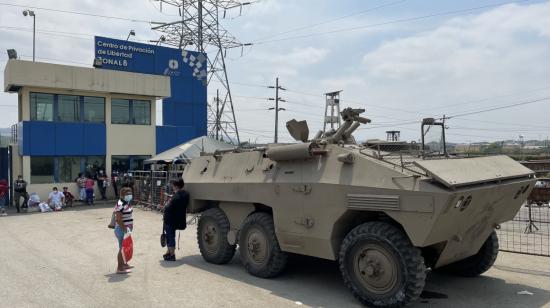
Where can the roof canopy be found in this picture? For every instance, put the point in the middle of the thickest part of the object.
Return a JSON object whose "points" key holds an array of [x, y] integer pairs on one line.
{"points": [[191, 149]]}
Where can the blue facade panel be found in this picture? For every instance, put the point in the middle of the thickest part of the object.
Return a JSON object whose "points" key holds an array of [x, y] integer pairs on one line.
{"points": [[165, 137], [199, 113], [62, 139], [69, 139], [171, 136], [41, 138], [185, 133], [94, 136]]}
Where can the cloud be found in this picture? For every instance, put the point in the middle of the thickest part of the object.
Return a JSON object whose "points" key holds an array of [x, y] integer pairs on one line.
{"points": [[502, 41], [505, 50]]}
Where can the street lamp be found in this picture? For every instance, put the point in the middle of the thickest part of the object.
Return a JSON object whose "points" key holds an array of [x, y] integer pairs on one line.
{"points": [[31, 13]]}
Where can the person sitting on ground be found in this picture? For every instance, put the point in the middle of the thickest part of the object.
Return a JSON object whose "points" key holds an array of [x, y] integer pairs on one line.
{"points": [[174, 218], [124, 222], [55, 199], [3, 197], [69, 198]]}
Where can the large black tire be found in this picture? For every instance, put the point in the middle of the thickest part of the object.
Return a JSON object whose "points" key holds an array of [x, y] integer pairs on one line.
{"points": [[259, 248], [212, 232], [477, 264], [380, 266]]}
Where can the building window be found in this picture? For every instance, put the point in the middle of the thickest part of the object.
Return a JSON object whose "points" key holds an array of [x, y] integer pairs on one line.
{"points": [[137, 161], [63, 169], [42, 170], [125, 163], [127, 111], [141, 112], [69, 168], [120, 111], [42, 107], [92, 164], [68, 108], [94, 109]]}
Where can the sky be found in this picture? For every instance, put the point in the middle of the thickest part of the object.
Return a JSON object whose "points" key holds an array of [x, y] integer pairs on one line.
{"points": [[401, 60]]}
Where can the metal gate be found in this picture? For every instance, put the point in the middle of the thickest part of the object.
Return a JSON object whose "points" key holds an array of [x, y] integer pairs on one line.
{"points": [[528, 232], [142, 187], [152, 188]]}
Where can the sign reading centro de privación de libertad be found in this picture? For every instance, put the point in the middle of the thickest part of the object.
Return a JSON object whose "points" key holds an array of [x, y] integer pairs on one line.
{"points": [[185, 111]]}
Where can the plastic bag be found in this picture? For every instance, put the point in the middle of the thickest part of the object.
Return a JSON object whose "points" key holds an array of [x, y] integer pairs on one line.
{"points": [[127, 247], [33, 197], [44, 207]]}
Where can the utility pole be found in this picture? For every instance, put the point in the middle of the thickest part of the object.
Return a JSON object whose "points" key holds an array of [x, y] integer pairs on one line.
{"points": [[277, 99], [332, 101]]}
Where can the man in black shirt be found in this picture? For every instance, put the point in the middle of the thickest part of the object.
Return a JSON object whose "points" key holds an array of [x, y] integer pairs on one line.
{"points": [[175, 215], [20, 190]]}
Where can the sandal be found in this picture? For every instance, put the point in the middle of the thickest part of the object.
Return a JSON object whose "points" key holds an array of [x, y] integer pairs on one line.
{"points": [[126, 271]]}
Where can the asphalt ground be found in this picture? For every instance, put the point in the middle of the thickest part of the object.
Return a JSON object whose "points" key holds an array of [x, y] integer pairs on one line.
{"points": [[68, 259]]}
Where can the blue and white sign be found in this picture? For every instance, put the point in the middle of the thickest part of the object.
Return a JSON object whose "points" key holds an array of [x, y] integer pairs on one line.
{"points": [[149, 59], [185, 112]]}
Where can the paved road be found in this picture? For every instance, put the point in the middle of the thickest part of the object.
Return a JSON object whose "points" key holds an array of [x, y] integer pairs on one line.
{"points": [[67, 259]]}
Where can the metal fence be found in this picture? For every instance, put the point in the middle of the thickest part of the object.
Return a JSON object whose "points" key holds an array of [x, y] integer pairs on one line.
{"points": [[528, 232], [152, 189]]}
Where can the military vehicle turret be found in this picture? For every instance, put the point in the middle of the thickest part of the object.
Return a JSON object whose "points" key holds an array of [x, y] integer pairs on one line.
{"points": [[384, 217]]}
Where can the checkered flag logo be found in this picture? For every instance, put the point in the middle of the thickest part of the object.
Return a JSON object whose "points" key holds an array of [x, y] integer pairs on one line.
{"points": [[197, 64]]}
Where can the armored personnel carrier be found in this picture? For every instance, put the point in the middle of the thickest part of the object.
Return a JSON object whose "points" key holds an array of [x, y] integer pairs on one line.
{"points": [[384, 217]]}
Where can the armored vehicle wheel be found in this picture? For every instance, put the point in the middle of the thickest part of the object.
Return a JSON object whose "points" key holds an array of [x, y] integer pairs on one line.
{"points": [[380, 266], [212, 237], [477, 264], [259, 248]]}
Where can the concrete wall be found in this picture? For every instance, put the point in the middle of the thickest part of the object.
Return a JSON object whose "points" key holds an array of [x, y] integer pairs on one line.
{"points": [[18, 73]]}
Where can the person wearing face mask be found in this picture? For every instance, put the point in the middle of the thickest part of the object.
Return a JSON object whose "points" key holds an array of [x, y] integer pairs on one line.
{"points": [[124, 223], [56, 199]]}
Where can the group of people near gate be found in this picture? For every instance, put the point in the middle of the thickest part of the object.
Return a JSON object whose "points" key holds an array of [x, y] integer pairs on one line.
{"points": [[174, 218], [56, 199]]}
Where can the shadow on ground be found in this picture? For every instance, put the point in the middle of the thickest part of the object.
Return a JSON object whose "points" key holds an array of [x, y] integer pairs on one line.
{"points": [[114, 277], [317, 283], [77, 207]]}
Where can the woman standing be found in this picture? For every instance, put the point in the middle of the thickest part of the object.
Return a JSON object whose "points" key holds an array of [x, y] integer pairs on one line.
{"points": [[90, 184], [124, 223], [175, 217]]}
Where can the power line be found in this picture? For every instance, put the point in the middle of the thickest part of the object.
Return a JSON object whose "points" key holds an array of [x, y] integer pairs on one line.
{"points": [[499, 107], [500, 123], [488, 98], [500, 130], [73, 12], [402, 20], [330, 20]]}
